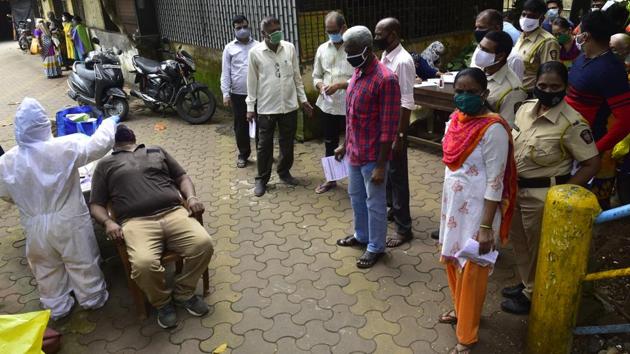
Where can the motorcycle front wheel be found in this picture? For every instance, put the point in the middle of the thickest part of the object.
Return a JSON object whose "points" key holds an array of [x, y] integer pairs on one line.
{"points": [[117, 106], [24, 44], [196, 106]]}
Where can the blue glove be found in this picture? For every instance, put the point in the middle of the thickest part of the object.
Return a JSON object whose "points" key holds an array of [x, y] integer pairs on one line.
{"points": [[116, 119]]}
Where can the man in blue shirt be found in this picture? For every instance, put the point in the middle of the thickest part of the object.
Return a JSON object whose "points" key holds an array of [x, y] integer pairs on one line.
{"points": [[554, 10], [234, 83]]}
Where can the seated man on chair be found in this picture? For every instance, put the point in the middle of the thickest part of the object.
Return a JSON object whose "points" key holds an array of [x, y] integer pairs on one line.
{"points": [[144, 186]]}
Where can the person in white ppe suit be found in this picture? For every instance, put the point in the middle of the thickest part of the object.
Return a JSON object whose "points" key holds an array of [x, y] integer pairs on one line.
{"points": [[40, 175]]}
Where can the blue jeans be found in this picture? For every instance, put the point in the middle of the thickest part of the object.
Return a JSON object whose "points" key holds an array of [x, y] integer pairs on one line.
{"points": [[369, 205]]}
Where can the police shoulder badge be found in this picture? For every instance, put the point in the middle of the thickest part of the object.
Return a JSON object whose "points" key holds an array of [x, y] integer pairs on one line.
{"points": [[554, 54], [587, 136]]}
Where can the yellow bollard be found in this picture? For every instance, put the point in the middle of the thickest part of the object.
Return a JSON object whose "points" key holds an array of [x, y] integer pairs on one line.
{"points": [[565, 241]]}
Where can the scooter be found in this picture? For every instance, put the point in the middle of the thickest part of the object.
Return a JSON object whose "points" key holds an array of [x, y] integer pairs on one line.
{"points": [[25, 36], [98, 82]]}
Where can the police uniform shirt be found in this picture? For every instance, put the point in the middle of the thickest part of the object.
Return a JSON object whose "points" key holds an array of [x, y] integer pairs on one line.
{"points": [[535, 49], [547, 145], [505, 93]]}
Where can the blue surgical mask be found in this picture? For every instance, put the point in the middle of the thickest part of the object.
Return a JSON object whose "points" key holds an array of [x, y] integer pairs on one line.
{"points": [[243, 33], [335, 37], [552, 14]]}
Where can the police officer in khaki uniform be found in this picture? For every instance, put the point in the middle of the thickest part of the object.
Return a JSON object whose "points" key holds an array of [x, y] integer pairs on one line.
{"points": [[506, 92], [549, 136], [535, 46]]}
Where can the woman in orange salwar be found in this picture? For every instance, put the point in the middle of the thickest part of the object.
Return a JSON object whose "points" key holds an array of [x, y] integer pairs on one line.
{"points": [[477, 200]]}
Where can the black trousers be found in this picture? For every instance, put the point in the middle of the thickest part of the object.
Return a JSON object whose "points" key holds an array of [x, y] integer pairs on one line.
{"points": [[241, 126], [1, 151], [287, 126], [332, 125], [398, 192]]}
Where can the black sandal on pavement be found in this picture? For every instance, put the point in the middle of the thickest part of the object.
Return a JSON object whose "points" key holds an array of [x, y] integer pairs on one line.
{"points": [[448, 318], [369, 259], [348, 241], [325, 187], [398, 240], [461, 349]]}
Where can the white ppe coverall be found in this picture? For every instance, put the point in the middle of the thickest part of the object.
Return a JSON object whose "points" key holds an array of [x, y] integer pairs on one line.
{"points": [[40, 175]]}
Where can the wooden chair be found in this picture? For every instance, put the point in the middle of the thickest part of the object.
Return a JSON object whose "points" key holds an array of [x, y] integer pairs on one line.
{"points": [[168, 257]]}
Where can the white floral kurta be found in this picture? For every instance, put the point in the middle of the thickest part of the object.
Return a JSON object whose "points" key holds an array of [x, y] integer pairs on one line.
{"points": [[479, 178]]}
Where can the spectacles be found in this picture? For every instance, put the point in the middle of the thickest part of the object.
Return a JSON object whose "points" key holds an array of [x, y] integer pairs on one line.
{"points": [[277, 70]]}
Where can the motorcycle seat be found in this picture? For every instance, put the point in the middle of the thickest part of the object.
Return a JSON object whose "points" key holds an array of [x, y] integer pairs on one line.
{"points": [[148, 66], [85, 73]]}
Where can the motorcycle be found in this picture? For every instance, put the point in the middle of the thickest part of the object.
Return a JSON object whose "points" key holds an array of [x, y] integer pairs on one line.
{"points": [[171, 84], [25, 37], [98, 82]]}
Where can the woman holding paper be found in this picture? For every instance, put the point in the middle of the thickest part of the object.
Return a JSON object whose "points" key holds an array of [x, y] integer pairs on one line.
{"points": [[478, 198]]}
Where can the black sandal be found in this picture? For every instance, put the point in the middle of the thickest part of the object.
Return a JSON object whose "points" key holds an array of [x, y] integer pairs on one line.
{"points": [[448, 318], [369, 259], [348, 241]]}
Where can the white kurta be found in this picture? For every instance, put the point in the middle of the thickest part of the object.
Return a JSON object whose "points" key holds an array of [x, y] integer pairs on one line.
{"points": [[464, 191]]}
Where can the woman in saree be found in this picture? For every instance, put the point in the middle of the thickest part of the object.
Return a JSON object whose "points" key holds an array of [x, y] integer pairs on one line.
{"points": [[49, 52], [81, 39], [477, 200], [67, 31]]}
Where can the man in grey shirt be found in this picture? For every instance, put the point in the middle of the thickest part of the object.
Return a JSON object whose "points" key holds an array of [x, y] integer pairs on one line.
{"points": [[234, 83]]}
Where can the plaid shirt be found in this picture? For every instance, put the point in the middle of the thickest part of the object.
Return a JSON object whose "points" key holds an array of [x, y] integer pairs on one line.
{"points": [[372, 111]]}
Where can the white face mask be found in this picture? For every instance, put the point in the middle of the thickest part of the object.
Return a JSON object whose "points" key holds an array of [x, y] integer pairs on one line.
{"points": [[529, 24], [482, 59]]}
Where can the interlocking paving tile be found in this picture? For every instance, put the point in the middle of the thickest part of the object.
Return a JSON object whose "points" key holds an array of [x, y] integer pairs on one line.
{"points": [[274, 267], [305, 290], [289, 346], [250, 298], [385, 345], [316, 334], [278, 284], [351, 342], [222, 333], [335, 296], [221, 312], [190, 328], [283, 327], [280, 304], [272, 252], [329, 277], [376, 324], [249, 279], [343, 317], [410, 332], [252, 319], [130, 339], [302, 272], [366, 302], [310, 310], [399, 308]]}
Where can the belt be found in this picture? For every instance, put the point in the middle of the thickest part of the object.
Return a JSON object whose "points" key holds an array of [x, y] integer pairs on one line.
{"points": [[542, 182]]}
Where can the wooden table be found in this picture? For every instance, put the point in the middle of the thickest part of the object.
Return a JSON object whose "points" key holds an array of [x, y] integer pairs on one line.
{"points": [[438, 99]]}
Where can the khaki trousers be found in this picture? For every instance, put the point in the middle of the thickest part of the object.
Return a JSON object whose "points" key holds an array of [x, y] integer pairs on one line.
{"points": [[468, 289], [525, 233], [148, 237]]}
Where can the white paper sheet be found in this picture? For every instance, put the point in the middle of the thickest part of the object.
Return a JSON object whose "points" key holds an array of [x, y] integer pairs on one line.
{"points": [[327, 98], [334, 170], [425, 84], [471, 252], [450, 77], [252, 129]]}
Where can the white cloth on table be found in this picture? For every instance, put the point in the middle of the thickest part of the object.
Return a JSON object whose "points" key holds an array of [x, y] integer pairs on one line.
{"points": [[479, 178], [40, 175]]}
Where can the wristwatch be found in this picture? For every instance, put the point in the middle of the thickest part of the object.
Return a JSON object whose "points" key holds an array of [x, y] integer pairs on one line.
{"points": [[401, 135]]}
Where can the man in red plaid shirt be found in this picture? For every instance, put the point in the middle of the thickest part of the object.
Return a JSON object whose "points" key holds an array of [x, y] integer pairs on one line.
{"points": [[372, 114]]}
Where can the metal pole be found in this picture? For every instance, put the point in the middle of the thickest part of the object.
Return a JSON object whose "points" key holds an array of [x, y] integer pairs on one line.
{"points": [[562, 258], [613, 214]]}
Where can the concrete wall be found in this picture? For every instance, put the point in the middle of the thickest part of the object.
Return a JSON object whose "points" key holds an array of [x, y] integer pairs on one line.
{"points": [[93, 14]]}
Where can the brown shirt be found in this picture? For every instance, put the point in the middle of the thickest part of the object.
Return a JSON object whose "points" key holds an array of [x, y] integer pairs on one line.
{"points": [[138, 183]]}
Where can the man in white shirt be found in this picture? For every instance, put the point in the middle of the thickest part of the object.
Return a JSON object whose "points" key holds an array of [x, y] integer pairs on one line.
{"points": [[506, 91], [400, 62], [234, 83], [331, 72], [276, 90], [491, 20]]}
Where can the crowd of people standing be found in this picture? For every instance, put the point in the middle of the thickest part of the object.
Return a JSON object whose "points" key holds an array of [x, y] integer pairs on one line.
{"points": [[541, 109], [536, 108], [60, 42]]}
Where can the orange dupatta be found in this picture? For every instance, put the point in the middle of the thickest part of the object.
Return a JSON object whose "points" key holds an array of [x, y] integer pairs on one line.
{"points": [[463, 135]]}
